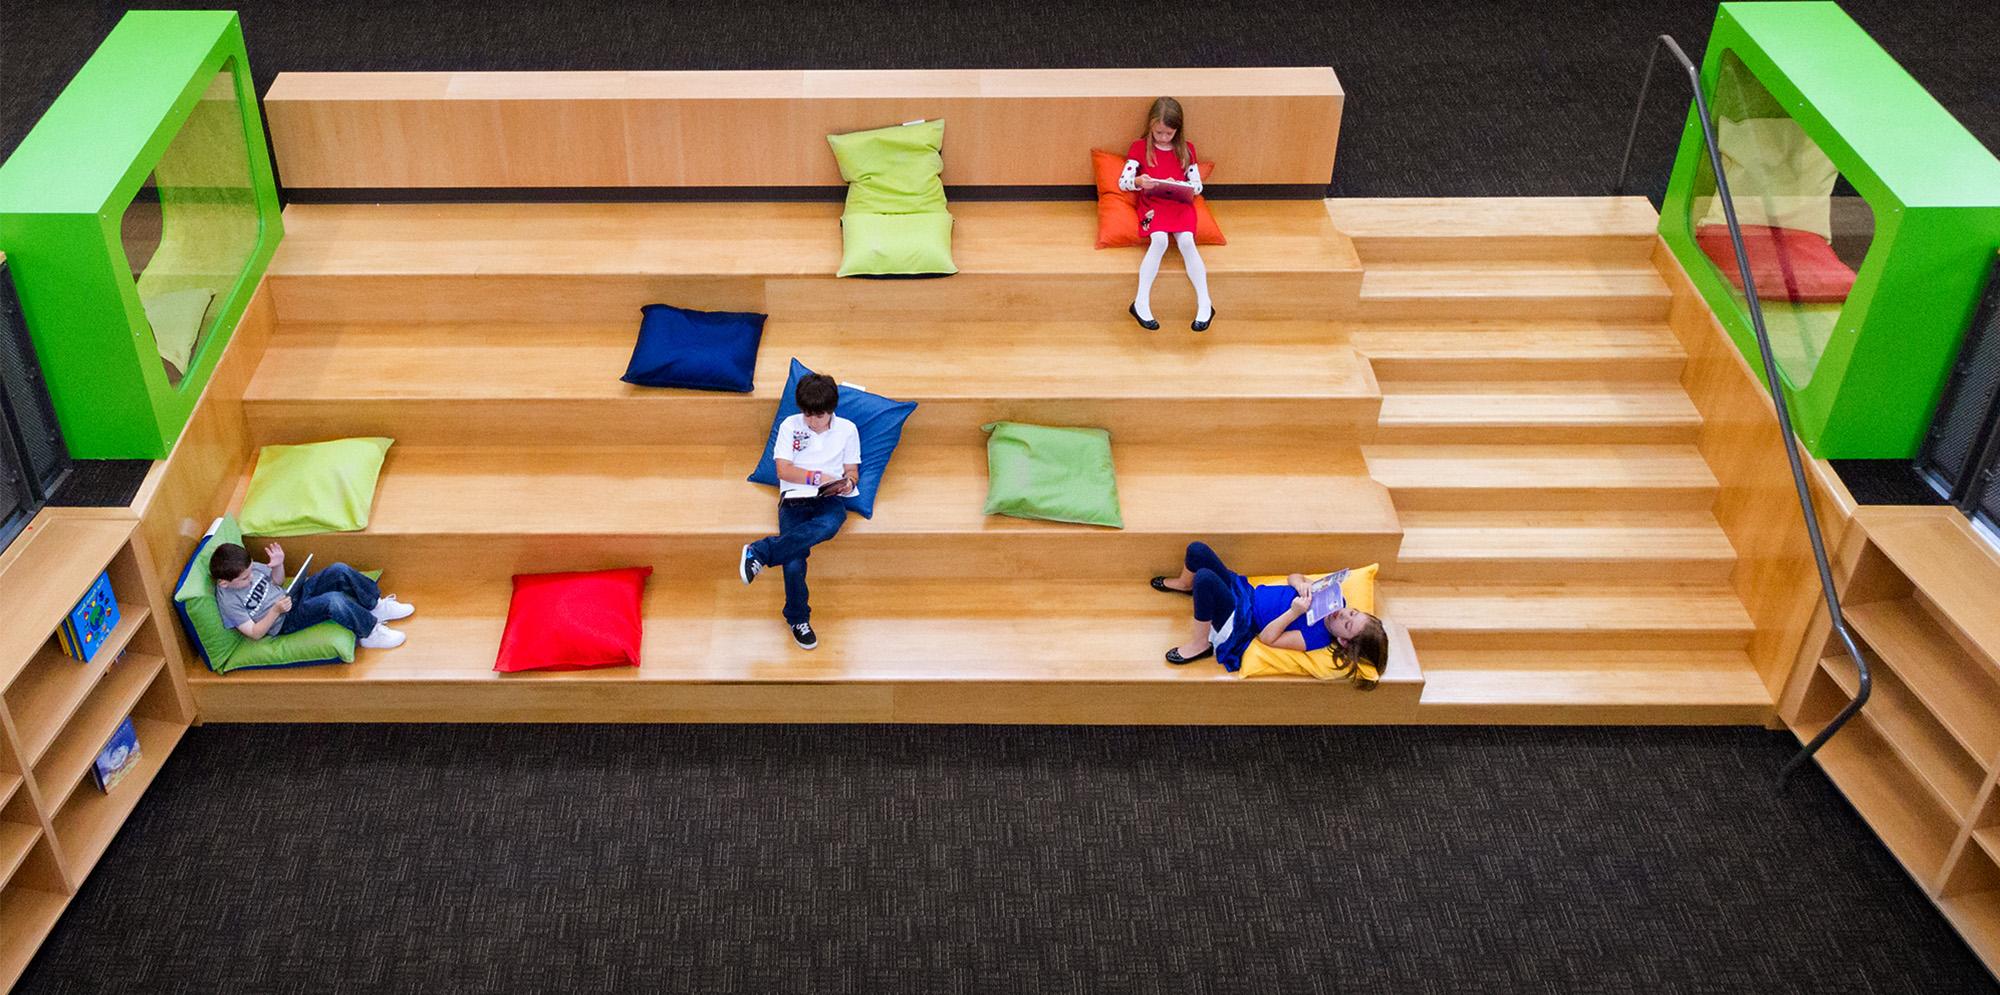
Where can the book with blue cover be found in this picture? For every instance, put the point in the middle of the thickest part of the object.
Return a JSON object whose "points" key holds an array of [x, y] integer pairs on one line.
{"points": [[87, 625], [118, 758]]}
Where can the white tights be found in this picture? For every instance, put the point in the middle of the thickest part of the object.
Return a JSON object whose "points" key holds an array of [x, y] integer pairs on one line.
{"points": [[1150, 267]]}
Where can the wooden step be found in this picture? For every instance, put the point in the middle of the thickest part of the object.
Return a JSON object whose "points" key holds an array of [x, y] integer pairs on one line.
{"points": [[1519, 350], [1518, 229], [1531, 412], [1629, 290], [443, 510], [1623, 687], [1544, 478], [1495, 617], [1577, 549], [891, 650], [525, 384], [545, 262]]}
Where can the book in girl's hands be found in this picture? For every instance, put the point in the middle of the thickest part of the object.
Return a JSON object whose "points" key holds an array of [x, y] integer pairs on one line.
{"points": [[118, 757], [1172, 189], [1326, 597]]}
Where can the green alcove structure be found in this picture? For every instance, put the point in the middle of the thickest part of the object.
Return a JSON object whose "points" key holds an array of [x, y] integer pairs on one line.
{"points": [[138, 217], [1798, 92]]}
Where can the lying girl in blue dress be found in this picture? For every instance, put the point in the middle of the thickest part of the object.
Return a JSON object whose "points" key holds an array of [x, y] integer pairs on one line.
{"points": [[1229, 612]]}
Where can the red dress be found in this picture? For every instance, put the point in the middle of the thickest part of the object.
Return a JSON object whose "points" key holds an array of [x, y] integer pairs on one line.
{"points": [[1168, 215]]}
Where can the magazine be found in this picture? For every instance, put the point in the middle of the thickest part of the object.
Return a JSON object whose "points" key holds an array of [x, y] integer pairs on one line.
{"points": [[1326, 597]]}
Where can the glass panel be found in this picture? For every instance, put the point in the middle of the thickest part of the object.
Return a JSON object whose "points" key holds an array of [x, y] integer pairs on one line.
{"points": [[1806, 230], [192, 228]]}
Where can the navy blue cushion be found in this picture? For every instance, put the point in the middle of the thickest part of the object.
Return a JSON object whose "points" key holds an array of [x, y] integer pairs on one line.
{"points": [[877, 418], [704, 350]]}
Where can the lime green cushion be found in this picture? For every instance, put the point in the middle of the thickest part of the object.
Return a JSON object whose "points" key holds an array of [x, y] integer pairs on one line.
{"points": [[224, 648], [321, 487], [895, 244], [893, 170], [176, 320], [1054, 474]]}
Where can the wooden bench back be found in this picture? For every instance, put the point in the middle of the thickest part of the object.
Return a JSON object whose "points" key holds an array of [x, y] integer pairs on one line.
{"points": [[1017, 127]]}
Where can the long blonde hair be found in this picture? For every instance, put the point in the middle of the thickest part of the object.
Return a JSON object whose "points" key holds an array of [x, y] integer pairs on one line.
{"points": [[1367, 652], [1167, 111]]}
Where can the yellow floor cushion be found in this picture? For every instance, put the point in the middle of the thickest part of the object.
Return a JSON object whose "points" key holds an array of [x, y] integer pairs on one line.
{"points": [[1260, 660]]}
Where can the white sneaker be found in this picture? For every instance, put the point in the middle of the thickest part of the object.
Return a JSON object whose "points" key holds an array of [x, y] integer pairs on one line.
{"points": [[388, 609], [383, 638]]}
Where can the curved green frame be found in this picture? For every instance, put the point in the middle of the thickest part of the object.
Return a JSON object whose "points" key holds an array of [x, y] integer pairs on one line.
{"points": [[63, 196], [1935, 193]]}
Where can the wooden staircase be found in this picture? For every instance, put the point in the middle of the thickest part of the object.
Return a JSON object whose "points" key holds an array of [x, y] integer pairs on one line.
{"points": [[1560, 562], [1508, 438]]}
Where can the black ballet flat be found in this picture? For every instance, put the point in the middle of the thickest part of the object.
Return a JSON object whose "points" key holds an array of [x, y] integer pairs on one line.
{"points": [[1202, 326], [1174, 656], [1133, 310], [1160, 584]]}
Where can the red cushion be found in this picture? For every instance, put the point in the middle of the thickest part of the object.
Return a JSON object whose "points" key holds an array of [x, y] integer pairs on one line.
{"points": [[574, 621], [1118, 210], [1788, 264]]}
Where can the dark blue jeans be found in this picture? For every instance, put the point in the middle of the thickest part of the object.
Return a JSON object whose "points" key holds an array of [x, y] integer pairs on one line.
{"points": [[802, 524], [340, 593], [1214, 596]]}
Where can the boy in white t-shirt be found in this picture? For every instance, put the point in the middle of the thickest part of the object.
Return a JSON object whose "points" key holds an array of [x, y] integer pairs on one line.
{"points": [[819, 467]]}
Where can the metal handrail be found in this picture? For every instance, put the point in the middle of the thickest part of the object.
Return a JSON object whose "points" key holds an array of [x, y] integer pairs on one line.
{"points": [[1833, 611]]}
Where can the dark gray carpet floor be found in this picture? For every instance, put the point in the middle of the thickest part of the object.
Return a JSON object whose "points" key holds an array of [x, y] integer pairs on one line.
{"points": [[958, 859]]}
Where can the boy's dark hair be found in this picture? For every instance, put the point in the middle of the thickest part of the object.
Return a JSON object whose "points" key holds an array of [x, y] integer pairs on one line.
{"points": [[817, 394], [229, 561]]}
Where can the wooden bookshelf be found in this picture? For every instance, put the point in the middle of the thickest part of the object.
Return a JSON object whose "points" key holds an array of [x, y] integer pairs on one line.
{"points": [[56, 713], [1921, 760]]}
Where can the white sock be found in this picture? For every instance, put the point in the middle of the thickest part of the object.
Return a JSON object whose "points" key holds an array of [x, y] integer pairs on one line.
{"points": [[1197, 272], [1149, 268]]}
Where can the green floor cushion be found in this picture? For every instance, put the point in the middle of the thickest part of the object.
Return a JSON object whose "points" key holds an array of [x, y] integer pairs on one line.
{"points": [[895, 245], [223, 648], [320, 487], [895, 222], [1052, 474], [176, 320], [895, 170]]}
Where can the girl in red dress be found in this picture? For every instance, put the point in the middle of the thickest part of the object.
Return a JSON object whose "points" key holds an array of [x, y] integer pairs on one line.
{"points": [[1160, 168]]}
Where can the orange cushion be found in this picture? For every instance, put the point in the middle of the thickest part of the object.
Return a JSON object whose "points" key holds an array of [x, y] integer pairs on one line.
{"points": [[1118, 210]]}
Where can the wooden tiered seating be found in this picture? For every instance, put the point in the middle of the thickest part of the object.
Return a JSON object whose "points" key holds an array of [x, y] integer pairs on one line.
{"points": [[487, 338], [1484, 397], [1560, 561]]}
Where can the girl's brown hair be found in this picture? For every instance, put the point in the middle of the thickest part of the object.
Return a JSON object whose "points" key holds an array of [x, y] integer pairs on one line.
{"points": [[1167, 111], [1368, 650]]}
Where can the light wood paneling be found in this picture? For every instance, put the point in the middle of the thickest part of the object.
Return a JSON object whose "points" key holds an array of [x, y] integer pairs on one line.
{"points": [[1514, 229], [1755, 503], [526, 384], [566, 263], [907, 651], [691, 504], [767, 128]]}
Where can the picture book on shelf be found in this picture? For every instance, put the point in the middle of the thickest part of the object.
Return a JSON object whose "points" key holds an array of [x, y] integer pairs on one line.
{"points": [[118, 757], [87, 625]]}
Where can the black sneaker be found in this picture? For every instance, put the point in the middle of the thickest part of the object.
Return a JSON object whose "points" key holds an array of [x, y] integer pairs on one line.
{"points": [[748, 567], [802, 634]]}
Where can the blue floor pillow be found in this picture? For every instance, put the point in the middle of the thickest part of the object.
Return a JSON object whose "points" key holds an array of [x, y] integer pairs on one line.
{"points": [[877, 418], [701, 350]]}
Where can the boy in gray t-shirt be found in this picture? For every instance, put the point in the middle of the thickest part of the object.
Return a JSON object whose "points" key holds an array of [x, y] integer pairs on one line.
{"points": [[252, 600]]}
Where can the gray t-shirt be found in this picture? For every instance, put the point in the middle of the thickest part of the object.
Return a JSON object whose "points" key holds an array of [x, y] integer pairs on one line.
{"points": [[248, 604]]}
